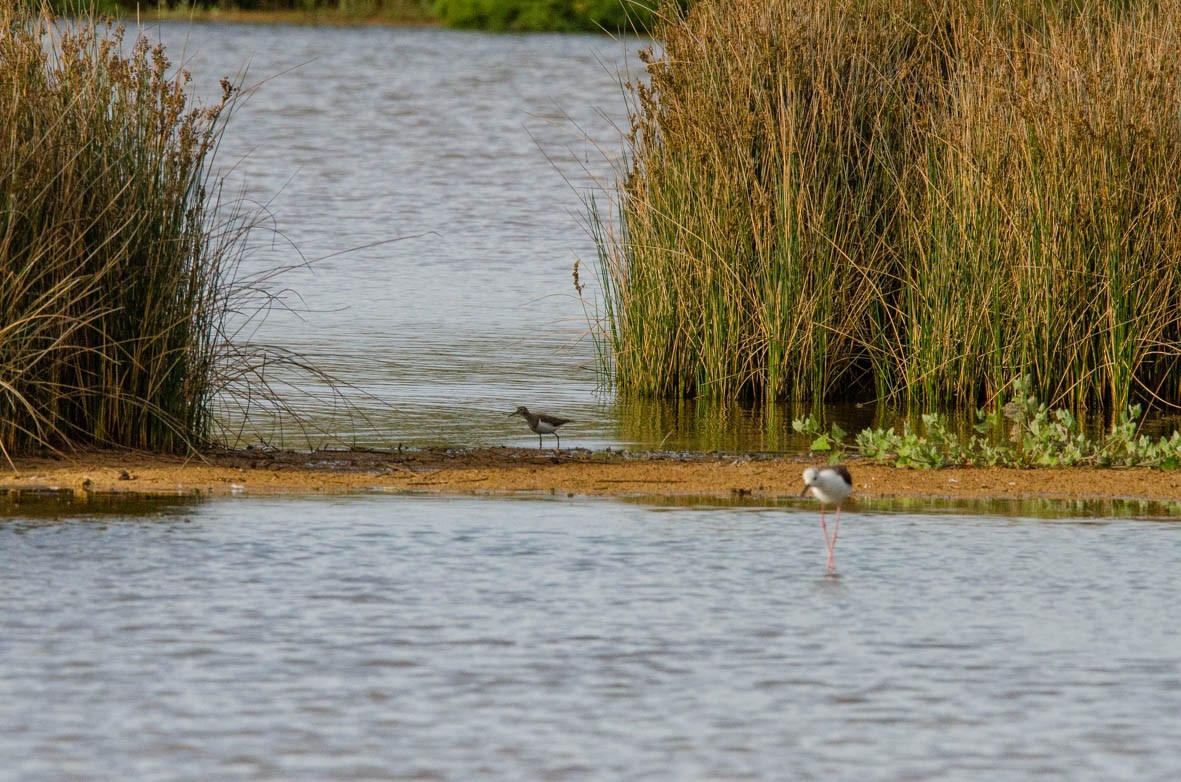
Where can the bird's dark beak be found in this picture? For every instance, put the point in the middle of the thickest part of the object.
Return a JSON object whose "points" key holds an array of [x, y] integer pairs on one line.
{"points": [[805, 491]]}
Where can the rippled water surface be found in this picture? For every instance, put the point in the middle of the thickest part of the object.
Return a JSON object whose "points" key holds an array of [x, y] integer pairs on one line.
{"points": [[416, 638], [476, 151]]}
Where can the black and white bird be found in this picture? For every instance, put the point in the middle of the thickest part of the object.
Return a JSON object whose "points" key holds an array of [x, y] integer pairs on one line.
{"points": [[830, 485], [541, 424]]}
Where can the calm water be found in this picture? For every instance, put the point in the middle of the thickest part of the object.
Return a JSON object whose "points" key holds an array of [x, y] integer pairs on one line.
{"points": [[458, 639]]}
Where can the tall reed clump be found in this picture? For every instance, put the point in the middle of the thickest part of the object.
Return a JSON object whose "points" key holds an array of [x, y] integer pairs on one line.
{"points": [[112, 292], [888, 199]]}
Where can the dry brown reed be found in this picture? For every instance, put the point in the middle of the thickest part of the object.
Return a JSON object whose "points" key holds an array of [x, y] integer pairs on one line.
{"points": [[901, 200]]}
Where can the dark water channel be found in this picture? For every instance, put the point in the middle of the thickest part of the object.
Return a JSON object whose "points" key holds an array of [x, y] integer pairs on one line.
{"points": [[457, 639]]}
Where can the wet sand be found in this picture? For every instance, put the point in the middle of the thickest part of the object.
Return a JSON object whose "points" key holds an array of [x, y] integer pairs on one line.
{"points": [[507, 471]]}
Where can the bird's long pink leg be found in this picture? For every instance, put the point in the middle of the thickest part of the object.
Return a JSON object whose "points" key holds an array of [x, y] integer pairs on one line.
{"points": [[828, 544], [832, 565]]}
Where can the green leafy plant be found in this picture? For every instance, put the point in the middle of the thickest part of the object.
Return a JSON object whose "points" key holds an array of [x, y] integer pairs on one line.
{"points": [[831, 440], [1036, 436]]}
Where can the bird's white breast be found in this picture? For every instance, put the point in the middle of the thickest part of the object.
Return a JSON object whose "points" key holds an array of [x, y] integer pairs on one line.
{"points": [[827, 485]]}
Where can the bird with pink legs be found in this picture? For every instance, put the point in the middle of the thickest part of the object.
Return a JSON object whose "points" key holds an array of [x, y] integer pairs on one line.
{"points": [[830, 485]]}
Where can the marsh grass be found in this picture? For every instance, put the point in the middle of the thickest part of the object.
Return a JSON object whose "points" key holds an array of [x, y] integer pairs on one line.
{"points": [[902, 201], [123, 316], [108, 291]]}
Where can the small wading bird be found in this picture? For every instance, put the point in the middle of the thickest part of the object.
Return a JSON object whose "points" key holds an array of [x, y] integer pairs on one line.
{"points": [[541, 424], [830, 485]]}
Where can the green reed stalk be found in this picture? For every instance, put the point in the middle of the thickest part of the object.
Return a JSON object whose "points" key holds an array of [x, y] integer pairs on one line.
{"points": [[912, 201]]}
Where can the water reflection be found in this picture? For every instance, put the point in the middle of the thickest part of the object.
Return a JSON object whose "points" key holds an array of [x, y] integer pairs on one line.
{"points": [[1101, 511], [712, 425], [52, 506]]}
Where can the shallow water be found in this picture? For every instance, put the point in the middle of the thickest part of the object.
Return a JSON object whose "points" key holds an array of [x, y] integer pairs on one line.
{"points": [[478, 152], [422, 638]]}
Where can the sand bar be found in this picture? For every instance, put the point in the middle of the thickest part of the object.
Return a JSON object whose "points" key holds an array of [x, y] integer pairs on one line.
{"points": [[511, 471]]}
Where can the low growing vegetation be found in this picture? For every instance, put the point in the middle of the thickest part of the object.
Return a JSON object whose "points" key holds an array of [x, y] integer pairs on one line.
{"points": [[899, 201], [1021, 433]]}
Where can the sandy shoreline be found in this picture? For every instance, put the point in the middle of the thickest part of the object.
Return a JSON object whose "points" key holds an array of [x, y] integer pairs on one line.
{"points": [[528, 471]]}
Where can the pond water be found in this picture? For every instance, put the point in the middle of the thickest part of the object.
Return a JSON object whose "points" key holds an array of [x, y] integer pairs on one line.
{"points": [[378, 637], [477, 153]]}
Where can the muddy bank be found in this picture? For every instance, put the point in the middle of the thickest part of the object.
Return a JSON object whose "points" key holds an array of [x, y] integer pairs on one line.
{"points": [[576, 472]]}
